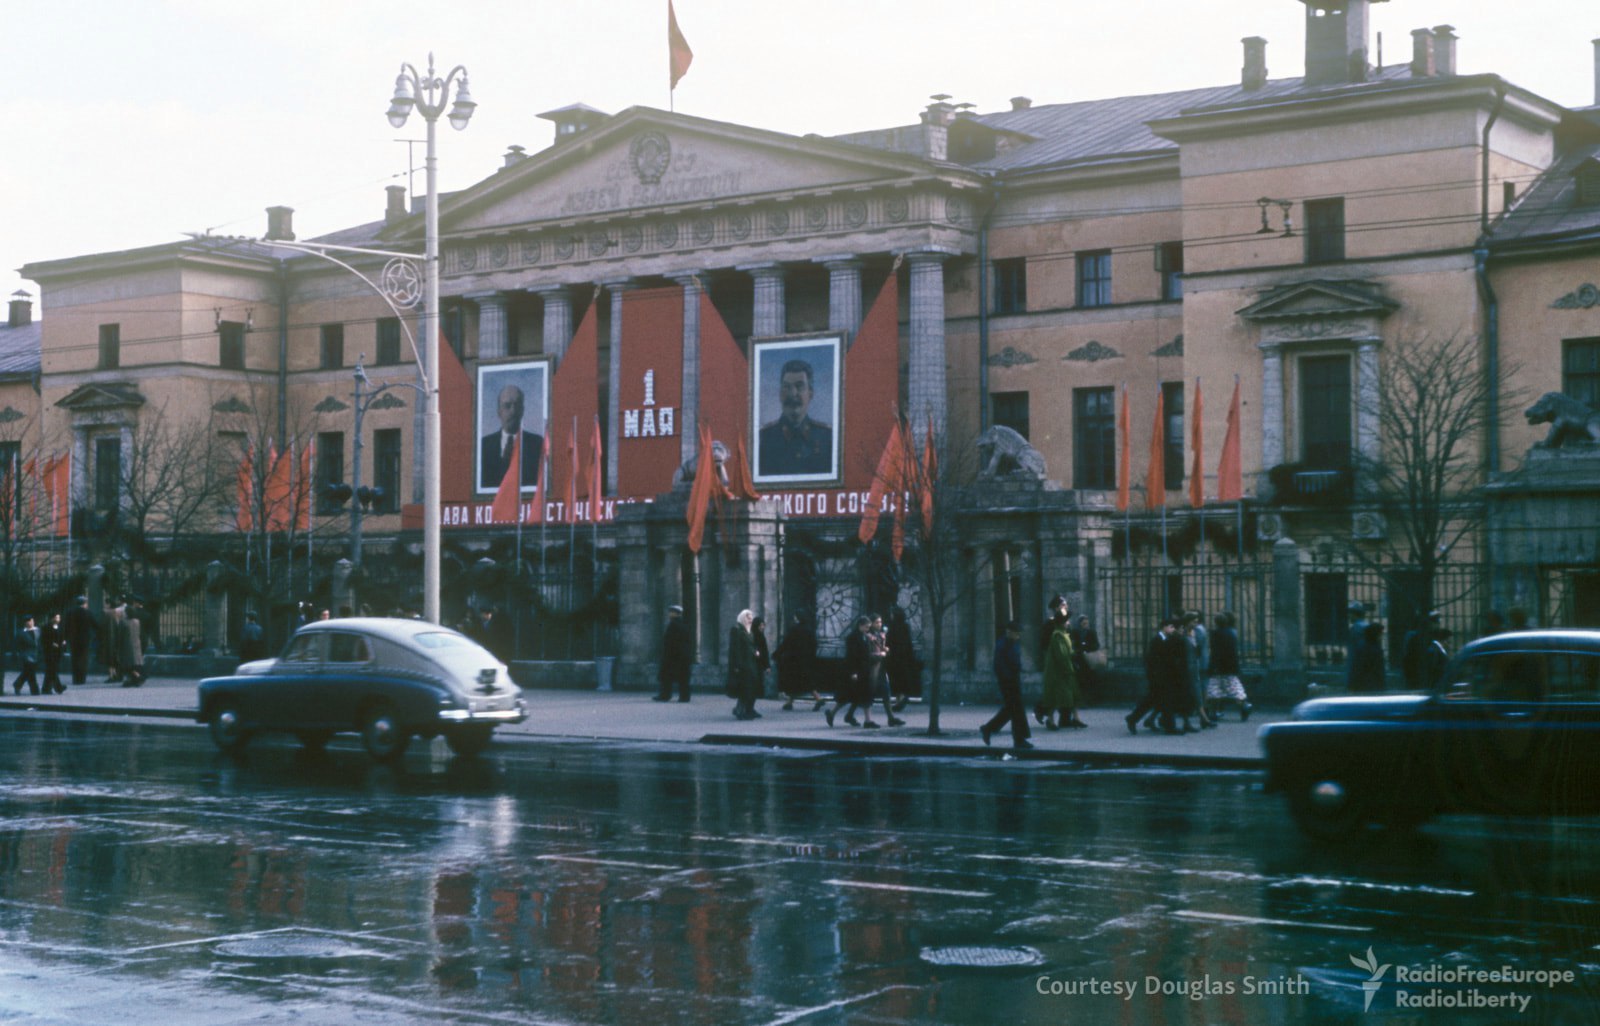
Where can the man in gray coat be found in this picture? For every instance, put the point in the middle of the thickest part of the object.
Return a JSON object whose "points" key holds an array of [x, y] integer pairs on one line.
{"points": [[28, 650]]}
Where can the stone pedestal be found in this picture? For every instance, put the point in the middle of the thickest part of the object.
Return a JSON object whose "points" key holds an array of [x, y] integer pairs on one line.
{"points": [[1543, 531]]}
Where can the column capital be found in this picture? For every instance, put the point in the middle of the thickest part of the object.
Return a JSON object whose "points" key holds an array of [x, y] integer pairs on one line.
{"points": [[929, 254], [690, 278], [767, 269], [843, 261], [1368, 341], [489, 296], [617, 284], [557, 289]]}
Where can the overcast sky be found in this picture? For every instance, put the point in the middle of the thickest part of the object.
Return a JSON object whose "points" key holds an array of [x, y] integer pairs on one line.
{"points": [[131, 123]]}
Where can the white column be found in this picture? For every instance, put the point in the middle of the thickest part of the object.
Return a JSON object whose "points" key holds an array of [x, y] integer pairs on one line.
{"points": [[688, 417], [844, 293], [494, 340], [1369, 398], [614, 380], [770, 316], [557, 320], [928, 395], [1271, 406]]}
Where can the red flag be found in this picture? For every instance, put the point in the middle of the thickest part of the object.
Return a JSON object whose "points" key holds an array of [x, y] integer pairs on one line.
{"points": [[1230, 479], [1155, 482], [1124, 458], [1197, 475], [570, 499], [889, 478], [276, 492], [509, 495], [679, 55], [596, 474], [245, 518], [302, 489], [700, 494], [536, 507], [58, 483], [742, 484], [930, 476]]}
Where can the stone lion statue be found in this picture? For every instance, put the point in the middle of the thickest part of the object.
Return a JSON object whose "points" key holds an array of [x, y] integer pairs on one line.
{"points": [[1569, 420], [719, 456], [1002, 452]]}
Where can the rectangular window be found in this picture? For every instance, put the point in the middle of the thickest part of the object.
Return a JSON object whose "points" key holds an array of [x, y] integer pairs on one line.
{"points": [[1324, 230], [110, 346], [107, 473], [1094, 438], [1327, 608], [330, 469], [388, 340], [1325, 411], [386, 470], [1580, 369], [451, 323], [1011, 285], [1172, 431], [1010, 409], [230, 345], [1169, 264], [1094, 277], [332, 346]]}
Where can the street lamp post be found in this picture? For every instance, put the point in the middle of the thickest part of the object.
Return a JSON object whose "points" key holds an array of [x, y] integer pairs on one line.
{"points": [[429, 94]]}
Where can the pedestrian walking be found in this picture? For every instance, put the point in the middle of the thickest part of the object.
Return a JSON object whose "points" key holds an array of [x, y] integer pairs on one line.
{"points": [[677, 657], [1222, 672], [252, 640], [1199, 657], [1057, 607], [796, 659], [28, 649], [1164, 668], [53, 645], [1008, 678], [878, 649], [1367, 674], [758, 636], [741, 685], [80, 627], [905, 669], [1090, 657], [1059, 701], [131, 657], [1414, 655], [114, 639], [856, 690], [1358, 630]]}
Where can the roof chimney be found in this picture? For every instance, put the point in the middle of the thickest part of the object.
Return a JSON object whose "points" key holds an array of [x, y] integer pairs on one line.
{"points": [[515, 155], [1444, 49], [280, 224], [1421, 53], [21, 309], [1254, 75], [1336, 41], [396, 210], [936, 127], [1024, 102]]}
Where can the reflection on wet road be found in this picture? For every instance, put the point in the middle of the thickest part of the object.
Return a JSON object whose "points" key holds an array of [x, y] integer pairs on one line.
{"points": [[143, 877]]}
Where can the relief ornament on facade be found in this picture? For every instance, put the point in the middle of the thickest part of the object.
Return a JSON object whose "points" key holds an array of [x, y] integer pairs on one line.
{"points": [[1011, 356], [1093, 352], [1584, 297], [650, 154]]}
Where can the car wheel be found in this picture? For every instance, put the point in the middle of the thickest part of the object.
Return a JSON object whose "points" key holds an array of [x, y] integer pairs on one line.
{"points": [[469, 741], [1328, 810], [315, 740], [382, 735], [227, 727]]}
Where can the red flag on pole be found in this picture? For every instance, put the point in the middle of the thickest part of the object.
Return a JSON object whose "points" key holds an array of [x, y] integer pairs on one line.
{"points": [[889, 478], [1125, 458], [536, 507], [302, 488], [1197, 474], [245, 518], [58, 483], [1155, 482], [508, 496], [596, 475], [930, 477], [569, 508], [277, 489], [678, 53], [742, 484], [700, 494], [1230, 479]]}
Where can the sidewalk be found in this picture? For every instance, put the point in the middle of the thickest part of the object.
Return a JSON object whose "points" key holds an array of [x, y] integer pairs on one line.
{"points": [[708, 719]]}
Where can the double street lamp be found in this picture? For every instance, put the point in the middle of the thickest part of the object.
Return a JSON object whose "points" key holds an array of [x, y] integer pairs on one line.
{"points": [[429, 95]]}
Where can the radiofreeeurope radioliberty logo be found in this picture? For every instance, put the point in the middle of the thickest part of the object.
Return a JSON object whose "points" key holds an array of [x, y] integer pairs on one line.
{"points": [[1371, 986]]}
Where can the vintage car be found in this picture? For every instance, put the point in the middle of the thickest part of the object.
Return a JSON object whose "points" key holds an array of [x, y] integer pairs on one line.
{"points": [[1512, 728], [388, 679]]}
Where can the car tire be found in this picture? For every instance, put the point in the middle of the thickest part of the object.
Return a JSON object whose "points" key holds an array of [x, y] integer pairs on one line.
{"points": [[315, 740], [467, 742], [1324, 818], [227, 731], [382, 734]]}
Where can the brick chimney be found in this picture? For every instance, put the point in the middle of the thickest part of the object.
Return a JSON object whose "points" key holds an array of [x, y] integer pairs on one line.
{"points": [[1444, 49], [936, 127], [396, 209], [1422, 53], [21, 309], [1336, 41], [514, 155], [1254, 75], [280, 223], [1024, 102]]}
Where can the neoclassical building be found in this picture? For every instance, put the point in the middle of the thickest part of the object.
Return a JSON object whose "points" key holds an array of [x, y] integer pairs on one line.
{"points": [[1033, 268]]}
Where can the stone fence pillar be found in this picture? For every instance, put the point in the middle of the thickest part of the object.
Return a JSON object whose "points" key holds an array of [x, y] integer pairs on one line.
{"points": [[215, 626]]}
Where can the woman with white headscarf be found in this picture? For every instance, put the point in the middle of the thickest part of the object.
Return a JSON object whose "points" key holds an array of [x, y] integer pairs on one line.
{"points": [[742, 678]]}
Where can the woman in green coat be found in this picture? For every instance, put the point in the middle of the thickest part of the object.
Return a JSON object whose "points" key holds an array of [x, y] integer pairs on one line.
{"points": [[1060, 701]]}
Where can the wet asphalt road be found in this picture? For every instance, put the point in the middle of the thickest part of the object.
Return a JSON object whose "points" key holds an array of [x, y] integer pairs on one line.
{"points": [[143, 878]]}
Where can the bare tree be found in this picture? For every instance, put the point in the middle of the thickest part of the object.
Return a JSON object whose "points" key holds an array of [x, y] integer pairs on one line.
{"points": [[171, 484]]}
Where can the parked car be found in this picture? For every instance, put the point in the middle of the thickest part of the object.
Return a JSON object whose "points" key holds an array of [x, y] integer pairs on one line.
{"points": [[1512, 728], [389, 680]]}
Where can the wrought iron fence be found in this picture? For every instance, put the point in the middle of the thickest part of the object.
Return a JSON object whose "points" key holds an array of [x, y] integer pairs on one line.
{"points": [[1133, 599]]}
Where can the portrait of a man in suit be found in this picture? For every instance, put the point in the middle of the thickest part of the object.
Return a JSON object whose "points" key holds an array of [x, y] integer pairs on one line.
{"points": [[504, 402]]}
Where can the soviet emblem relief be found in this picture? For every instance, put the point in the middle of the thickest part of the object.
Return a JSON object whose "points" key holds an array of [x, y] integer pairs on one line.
{"points": [[667, 235], [739, 225], [897, 209], [778, 222], [703, 230], [651, 155], [467, 258], [564, 247], [530, 251], [632, 238], [855, 213], [499, 254]]}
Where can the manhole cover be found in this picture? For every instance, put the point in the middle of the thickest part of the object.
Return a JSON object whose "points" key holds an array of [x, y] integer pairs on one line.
{"points": [[281, 946], [972, 957]]}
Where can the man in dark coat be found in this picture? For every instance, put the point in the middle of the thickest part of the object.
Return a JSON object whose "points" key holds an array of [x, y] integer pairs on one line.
{"points": [[677, 656], [80, 628], [252, 640], [28, 649], [856, 690], [1008, 677], [796, 657], [1166, 672], [53, 644], [905, 669]]}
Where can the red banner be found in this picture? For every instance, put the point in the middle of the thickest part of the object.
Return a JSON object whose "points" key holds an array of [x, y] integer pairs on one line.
{"points": [[650, 395]]}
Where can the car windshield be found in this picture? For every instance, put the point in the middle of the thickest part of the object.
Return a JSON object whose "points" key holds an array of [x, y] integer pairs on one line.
{"points": [[441, 639]]}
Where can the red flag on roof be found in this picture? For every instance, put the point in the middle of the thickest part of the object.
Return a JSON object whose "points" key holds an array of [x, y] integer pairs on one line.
{"points": [[1230, 481], [679, 55]]}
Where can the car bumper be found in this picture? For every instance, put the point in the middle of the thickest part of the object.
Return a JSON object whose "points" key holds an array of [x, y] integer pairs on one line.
{"points": [[457, 717]]}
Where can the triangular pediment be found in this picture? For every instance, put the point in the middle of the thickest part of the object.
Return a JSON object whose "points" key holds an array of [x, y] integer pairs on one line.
{"points": [[645, 159], [1320, 299], [109, 395]]}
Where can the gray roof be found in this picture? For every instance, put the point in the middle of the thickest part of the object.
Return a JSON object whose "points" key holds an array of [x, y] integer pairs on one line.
{"points": [[1549, 210], [19, 350]]}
